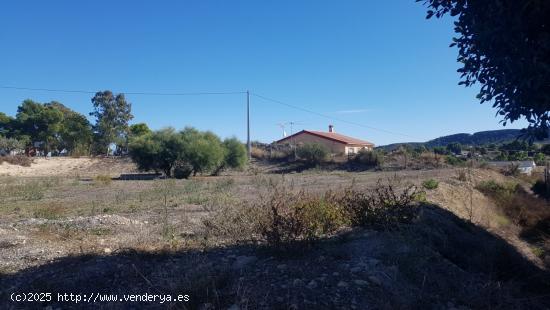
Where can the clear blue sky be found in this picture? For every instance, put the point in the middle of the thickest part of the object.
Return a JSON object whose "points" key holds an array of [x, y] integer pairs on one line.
{"points": [[378, 63]]}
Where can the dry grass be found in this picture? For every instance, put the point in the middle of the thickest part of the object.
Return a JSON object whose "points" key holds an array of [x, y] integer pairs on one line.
{"points": [[288, 216], [19, 160]]}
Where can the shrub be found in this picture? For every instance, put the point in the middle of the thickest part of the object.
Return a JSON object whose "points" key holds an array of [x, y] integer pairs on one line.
{"points": [[385, 207], [11, 144], [299, 217], [454, 161], [540, 159], [167, 150], [50, 212], [288, 218], [20, 160], [368, 158], [259, 153], [312, 153], [235, 155], [494, 188], [103, 179], [158, 151], [511, 170], [430, 184], [462, 175]]}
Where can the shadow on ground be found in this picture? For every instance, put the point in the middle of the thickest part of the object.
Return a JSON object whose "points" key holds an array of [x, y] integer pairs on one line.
{"points": [[439, 262]]}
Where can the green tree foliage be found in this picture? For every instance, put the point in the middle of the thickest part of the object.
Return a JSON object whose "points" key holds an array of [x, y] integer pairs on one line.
{"points": [[159, 151], [454, 148], [440, 150], [139, 129], [368, 158], [10, 144], [312, 153], [204, 151], [75, 132], [235, 153], [112, 113], [39, 123], [520, 155], [540, 159], [6, 125], [504, 46], [516, 145], [189, 151]]}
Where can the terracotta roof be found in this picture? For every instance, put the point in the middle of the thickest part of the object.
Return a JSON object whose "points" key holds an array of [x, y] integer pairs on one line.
{"points": [[331, 136]]}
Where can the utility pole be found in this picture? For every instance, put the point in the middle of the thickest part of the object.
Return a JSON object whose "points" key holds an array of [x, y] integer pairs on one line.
{"points": [[248, 146]]}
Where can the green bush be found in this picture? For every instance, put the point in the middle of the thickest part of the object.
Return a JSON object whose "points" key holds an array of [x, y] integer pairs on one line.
{"points": [[312, 153], [181, 154], [385, 207], [299, 216], [454, 161], [540, 159], [500, 191], [430, 184], [11, 144], [368, 158]]}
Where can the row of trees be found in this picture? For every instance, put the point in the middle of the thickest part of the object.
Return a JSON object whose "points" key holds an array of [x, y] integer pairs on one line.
{"points": [[190, 151], [54, 127]]}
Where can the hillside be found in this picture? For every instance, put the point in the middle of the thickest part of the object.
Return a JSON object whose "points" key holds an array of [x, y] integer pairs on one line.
{"points": [[478, 138]]}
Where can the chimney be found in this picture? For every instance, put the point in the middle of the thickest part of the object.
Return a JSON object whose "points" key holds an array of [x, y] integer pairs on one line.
{"points": [[330, 128]]}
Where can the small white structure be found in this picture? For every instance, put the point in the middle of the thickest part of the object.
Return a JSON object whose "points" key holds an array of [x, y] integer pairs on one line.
{"points": [[524, 166]]}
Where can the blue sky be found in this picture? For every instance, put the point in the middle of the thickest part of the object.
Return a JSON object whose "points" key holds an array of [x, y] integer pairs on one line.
{"points": [[377, 63]]}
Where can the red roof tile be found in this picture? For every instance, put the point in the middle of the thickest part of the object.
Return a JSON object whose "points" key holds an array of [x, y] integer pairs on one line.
{"points": [[331, 136]]}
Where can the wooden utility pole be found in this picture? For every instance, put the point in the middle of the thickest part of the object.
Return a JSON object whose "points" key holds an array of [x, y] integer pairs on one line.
{"points": [[248, 146]]}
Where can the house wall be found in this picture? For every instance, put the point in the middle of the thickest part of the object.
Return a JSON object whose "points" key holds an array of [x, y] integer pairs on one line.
{"points": [[354, 149], [333, 146]]}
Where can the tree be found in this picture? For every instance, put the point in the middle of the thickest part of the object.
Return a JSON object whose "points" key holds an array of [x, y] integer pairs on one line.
{"points": [[455, 148], [39, 123], [203, 150], [504, 45], [312, 153], [180, 153], [6, 125], [159, 151], [139, 129], [235, 155], [112, 113], [76, 131], [540, 159], [440, 150]]}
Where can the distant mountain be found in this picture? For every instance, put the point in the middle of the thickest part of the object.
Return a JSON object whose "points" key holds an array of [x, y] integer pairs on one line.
{"points": [[478, 138]]}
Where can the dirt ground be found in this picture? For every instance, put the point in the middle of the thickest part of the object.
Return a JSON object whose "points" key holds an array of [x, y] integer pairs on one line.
{"points": [[68, 166], [63, 215]]}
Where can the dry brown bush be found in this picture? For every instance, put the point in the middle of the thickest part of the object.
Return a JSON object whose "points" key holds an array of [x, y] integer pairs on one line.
{"points": [[287, 217], [20, 160]]}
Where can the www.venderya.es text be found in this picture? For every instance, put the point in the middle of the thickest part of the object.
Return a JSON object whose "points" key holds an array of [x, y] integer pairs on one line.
{"points": [[98, 297]]}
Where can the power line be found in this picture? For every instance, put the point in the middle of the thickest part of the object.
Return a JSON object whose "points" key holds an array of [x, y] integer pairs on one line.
{"points": [[330, 117], [126, 93]]}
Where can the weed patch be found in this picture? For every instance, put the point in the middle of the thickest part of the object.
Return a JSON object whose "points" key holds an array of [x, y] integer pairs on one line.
{"points": [[430, 184]]}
